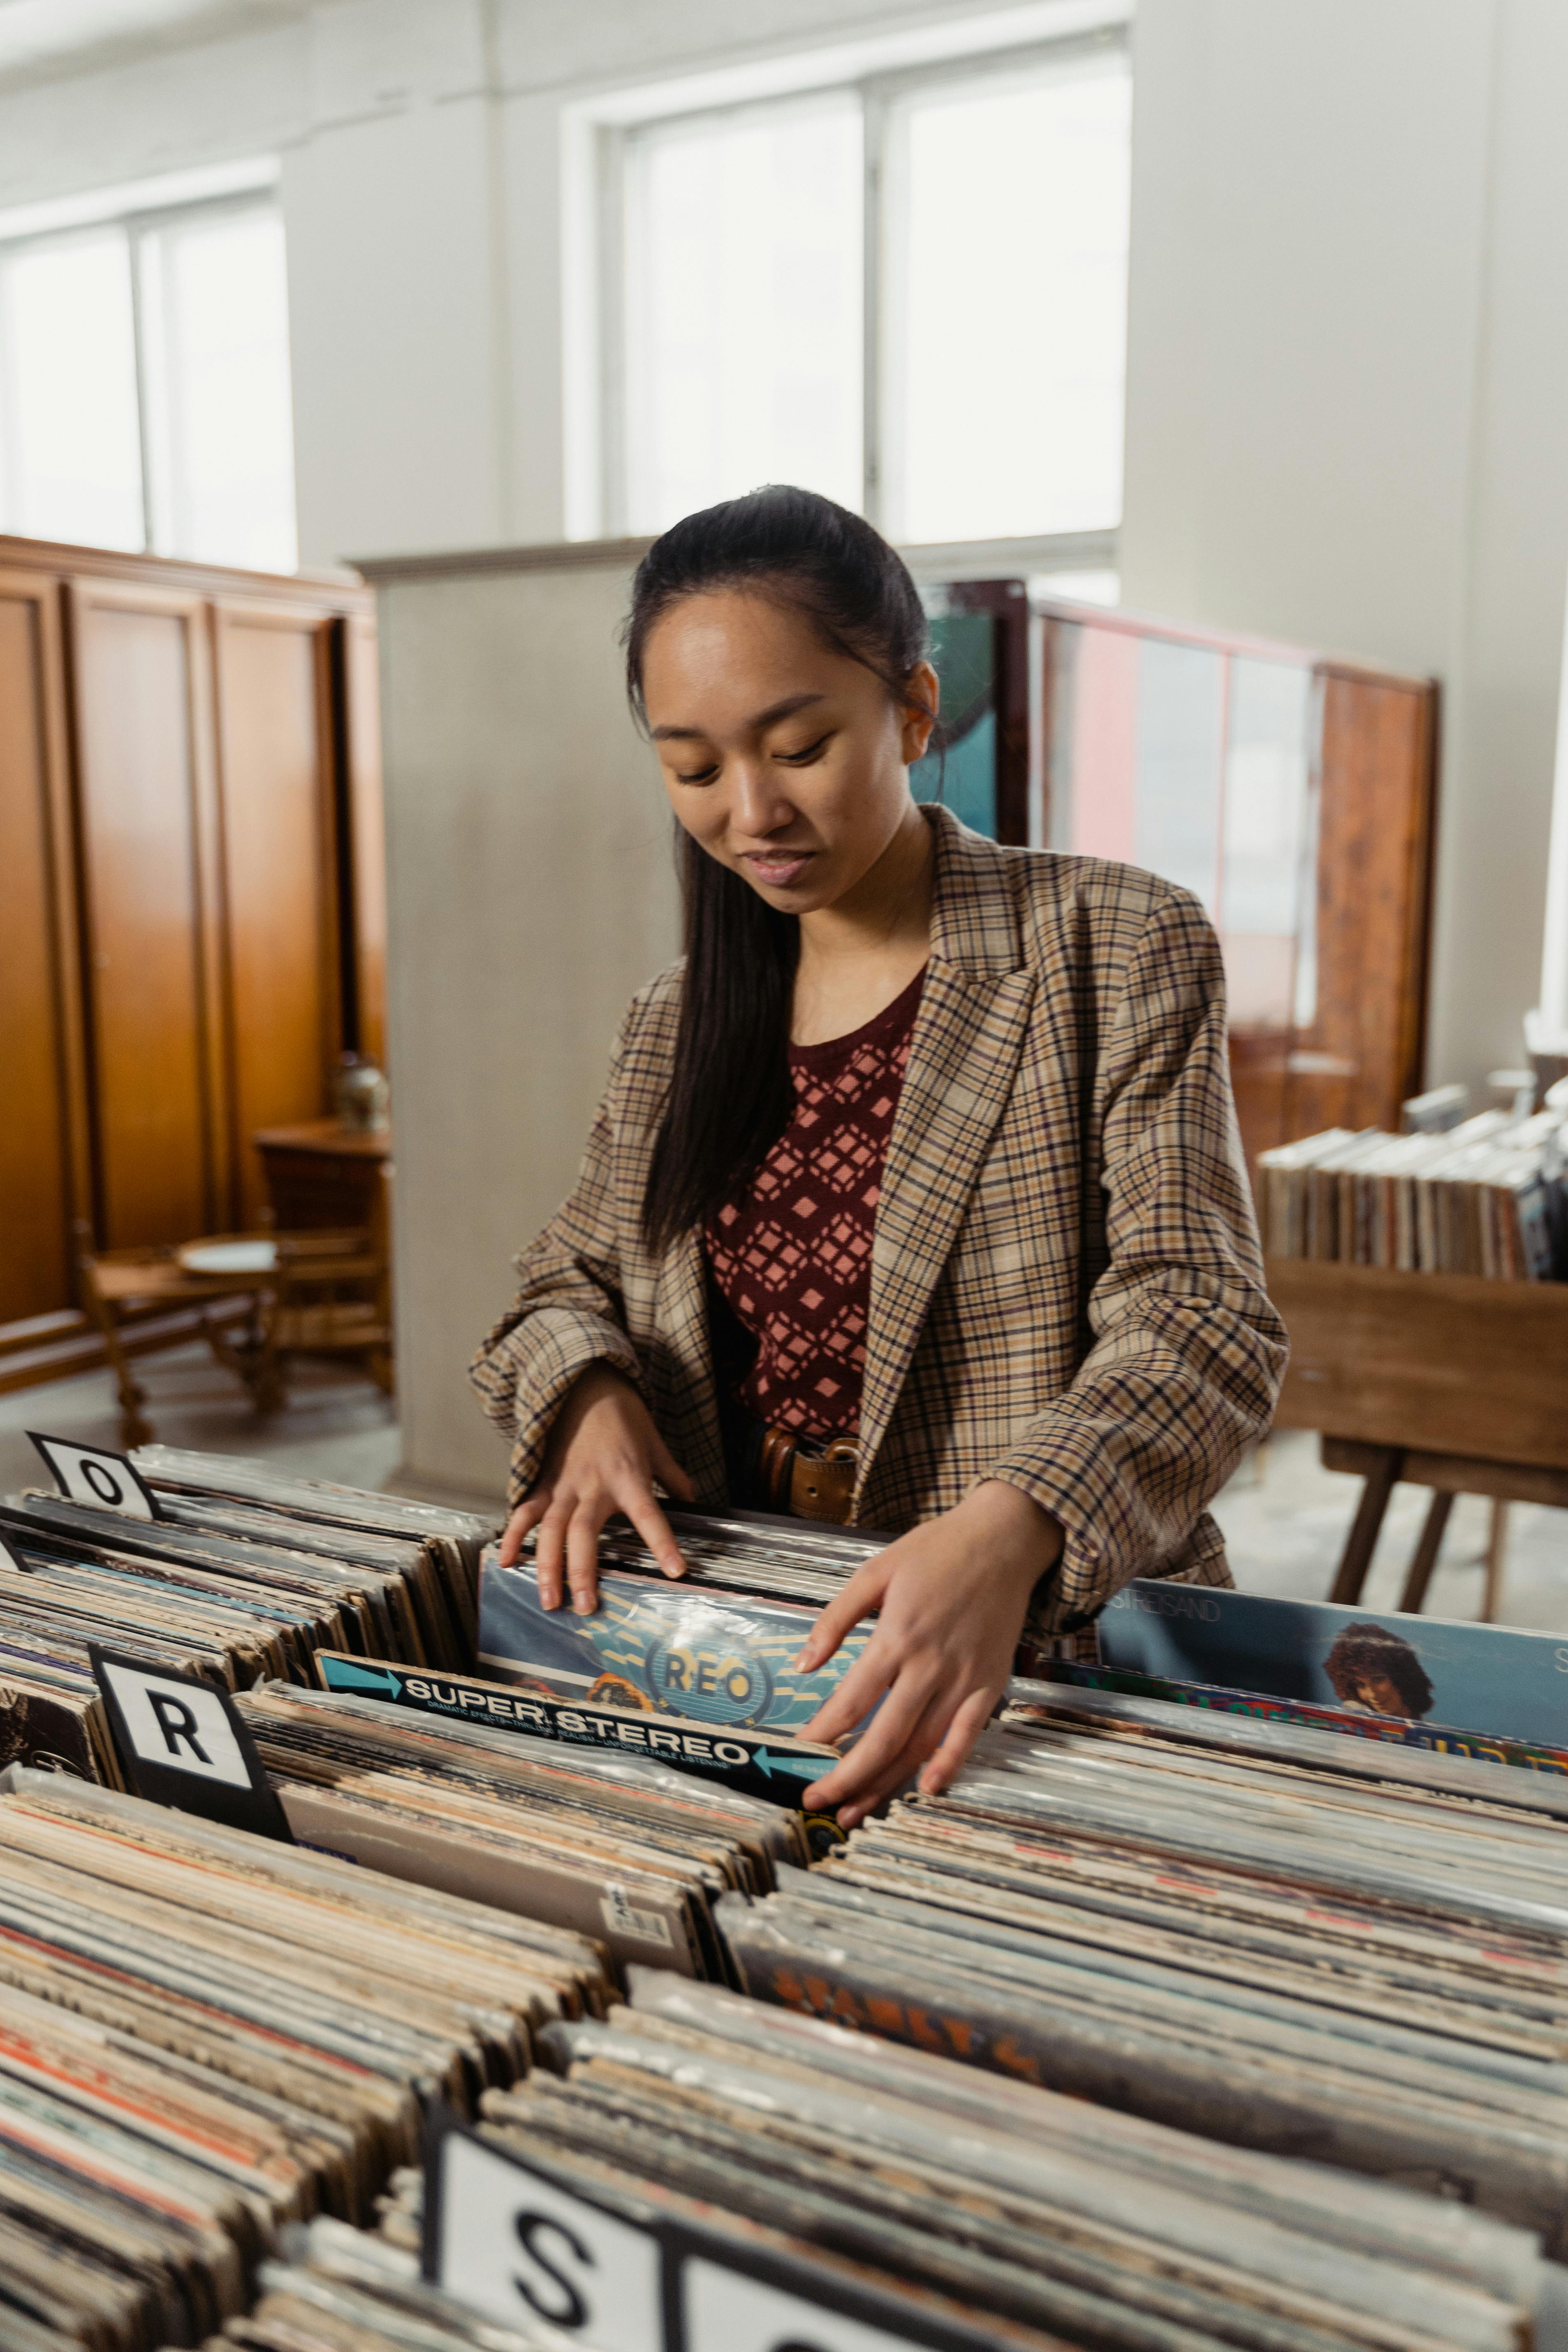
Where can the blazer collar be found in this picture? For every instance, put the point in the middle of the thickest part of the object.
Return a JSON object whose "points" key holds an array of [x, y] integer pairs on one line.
{"points": [[974, 916], [969, 1035]]}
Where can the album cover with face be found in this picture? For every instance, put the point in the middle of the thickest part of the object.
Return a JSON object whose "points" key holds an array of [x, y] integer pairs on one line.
{"points": [[1492, 1679]]}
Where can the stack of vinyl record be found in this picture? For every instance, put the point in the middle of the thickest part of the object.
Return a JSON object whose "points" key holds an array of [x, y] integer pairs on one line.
{"points": [[340, 2290], [1018, 2216], [244, 1574], [258, 1494], [627, 1851], [1486, 1197], [749, 1552], [1247, 1940], [205, 2035]]}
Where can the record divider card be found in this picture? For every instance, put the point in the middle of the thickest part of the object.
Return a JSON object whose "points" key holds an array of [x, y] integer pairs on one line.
{"points": [[180, 1737], [505, 2234], [182, 1742], [89, 1474]]}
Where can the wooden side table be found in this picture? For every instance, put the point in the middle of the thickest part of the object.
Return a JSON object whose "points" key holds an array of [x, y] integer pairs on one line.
{"points": [[1441, 1380], [319, 1174]]}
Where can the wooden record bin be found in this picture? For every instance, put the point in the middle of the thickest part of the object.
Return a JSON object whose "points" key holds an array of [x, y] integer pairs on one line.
{"points": [[192, 924], [1437, 1364], [1443, 1380]]}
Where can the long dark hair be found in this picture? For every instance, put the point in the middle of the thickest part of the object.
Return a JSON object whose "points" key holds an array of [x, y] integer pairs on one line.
{"points": [[730, 1098]]}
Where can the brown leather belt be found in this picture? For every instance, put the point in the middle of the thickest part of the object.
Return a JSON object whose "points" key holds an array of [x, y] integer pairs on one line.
{"points": [[808, 1486]]}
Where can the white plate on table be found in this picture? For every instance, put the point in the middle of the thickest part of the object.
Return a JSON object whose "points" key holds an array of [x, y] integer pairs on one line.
{"points": [[229, 1258]]}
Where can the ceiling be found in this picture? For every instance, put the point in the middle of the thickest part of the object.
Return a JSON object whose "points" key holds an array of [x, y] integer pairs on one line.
{"points": [[43, 40]]}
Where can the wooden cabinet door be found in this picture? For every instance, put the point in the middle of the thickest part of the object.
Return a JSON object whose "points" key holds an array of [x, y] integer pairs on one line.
{"points": [[278, 785], [144, 698], [43, 1159], [1362, 1052]]}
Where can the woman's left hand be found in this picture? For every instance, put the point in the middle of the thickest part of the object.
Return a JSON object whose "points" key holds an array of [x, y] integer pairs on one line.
{"points": [[952, 1596]]}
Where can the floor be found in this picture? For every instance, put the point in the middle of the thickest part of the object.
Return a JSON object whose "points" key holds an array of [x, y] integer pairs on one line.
{"points": [[1284, 1516], [1286, 1519], [337, 1424]]}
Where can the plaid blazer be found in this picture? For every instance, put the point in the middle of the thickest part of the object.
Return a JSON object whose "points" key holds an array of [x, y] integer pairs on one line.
{"points": [[1067, 1291]]}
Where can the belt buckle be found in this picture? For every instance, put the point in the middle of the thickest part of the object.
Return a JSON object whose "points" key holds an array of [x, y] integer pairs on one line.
{"points": [[822, 1485]]}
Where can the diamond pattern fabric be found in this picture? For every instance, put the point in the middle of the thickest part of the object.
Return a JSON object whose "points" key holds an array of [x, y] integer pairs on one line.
{"points": [[792, 1255]]}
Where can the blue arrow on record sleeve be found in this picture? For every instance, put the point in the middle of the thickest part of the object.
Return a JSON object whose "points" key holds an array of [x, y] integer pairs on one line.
{"points": [[808, 1768], [348, 1675]]}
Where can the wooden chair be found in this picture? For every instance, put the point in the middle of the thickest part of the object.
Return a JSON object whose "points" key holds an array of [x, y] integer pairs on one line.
{"points": [[117, 1285], [330, 1296]]}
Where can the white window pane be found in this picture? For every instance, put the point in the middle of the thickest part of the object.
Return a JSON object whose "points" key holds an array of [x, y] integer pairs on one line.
{"points": [[72, 464], [1265, 880], [1009, 252], [216, 321], [744, 310]]}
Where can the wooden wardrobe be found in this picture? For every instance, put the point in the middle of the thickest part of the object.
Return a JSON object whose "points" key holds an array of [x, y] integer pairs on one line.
{"points": [[1294, 793], [192, 901]]}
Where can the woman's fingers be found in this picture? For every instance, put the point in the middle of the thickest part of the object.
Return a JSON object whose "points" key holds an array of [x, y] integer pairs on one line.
{"points": [[862, 1594], [583, 1551], [855, 1696], [923, 1742], [654, 1529], [523, 1521], [962, 1734], [669, 1473], [880, 1746], [550, 1552]]}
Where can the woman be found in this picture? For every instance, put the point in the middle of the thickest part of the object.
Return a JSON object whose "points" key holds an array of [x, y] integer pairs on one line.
{"points": [[915, 1197]]}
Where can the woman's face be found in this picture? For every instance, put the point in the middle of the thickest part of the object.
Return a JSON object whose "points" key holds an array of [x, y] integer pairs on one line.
{"points": [[1378, 1694], [784, 760]]}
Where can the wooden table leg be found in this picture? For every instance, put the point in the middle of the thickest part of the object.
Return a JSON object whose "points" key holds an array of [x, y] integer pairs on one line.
{"points": [[135, 1429], [1497, 1559], [1361, 1542], [1414, 1596]]}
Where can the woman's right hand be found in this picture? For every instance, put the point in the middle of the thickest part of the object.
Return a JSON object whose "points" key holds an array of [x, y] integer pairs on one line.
{"points": [[603, 1457]]}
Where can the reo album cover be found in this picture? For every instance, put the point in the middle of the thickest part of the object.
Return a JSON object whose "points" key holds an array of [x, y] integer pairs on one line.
{"points": [[710, 1657]]}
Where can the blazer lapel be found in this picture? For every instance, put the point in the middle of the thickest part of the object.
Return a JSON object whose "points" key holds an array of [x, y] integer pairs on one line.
{"points": [[973, 1020]]}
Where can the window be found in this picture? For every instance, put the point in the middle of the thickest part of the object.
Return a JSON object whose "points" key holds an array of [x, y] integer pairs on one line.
{"points": [[744, 308], [144, 397], [909, 294], [67, 396], [1005, 335]]}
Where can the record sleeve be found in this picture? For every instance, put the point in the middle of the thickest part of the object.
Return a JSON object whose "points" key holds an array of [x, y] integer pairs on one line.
{"points": [[724, 1660]]}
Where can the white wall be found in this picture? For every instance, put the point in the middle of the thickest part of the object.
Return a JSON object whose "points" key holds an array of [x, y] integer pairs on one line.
{"points": [[422, 188], [1348, 373], [396, 336], [510, 763], [1348, 395]]}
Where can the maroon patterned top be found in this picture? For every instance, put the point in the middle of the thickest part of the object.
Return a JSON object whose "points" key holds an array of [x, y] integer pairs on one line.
{"points": [[792, 1259]]}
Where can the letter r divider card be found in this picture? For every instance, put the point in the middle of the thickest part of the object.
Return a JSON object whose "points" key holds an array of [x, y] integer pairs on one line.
{"points": [[182, 1742]]}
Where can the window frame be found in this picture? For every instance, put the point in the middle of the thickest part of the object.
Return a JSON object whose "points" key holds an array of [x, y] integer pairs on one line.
{"points": [[139, 223], [876, 94]]}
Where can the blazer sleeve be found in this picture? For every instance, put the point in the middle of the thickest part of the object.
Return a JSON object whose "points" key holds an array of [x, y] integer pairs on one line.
{"points": [[568, 1313], [1186, 1353]]}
